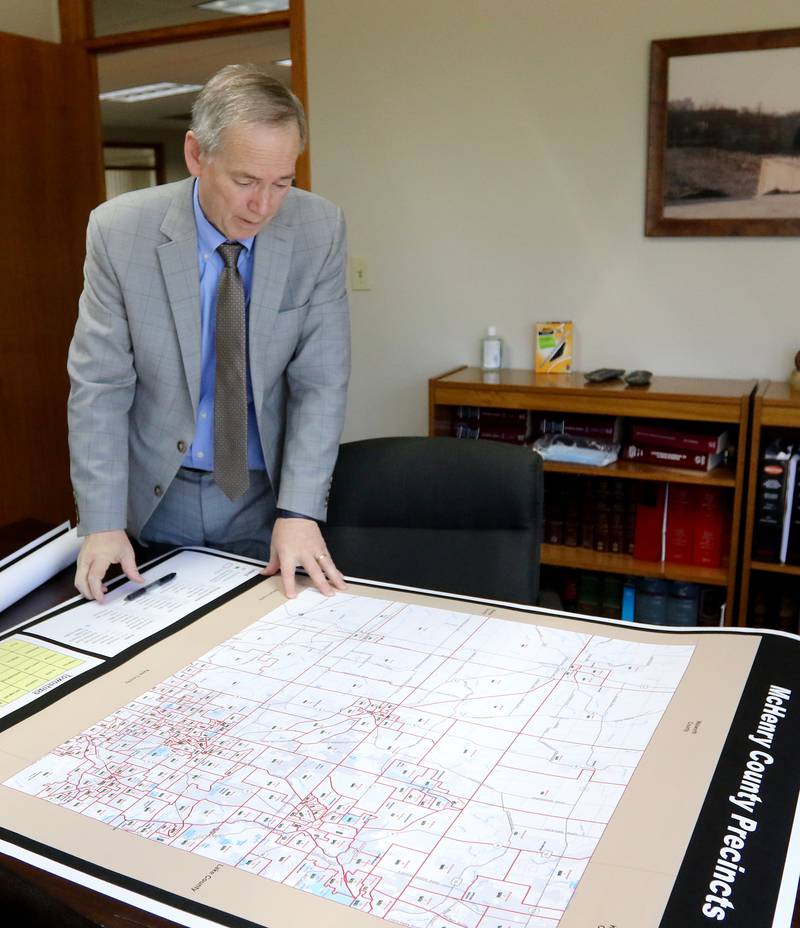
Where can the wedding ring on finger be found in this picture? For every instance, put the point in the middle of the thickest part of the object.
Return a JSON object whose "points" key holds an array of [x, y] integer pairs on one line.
{"points": [[319, 558]]}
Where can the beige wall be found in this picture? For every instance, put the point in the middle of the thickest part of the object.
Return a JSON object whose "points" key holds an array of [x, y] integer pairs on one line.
{"points": [[37, 19], [490, 157]]}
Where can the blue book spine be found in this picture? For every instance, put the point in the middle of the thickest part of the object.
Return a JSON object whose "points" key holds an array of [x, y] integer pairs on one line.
{"points": [[628, 602]]}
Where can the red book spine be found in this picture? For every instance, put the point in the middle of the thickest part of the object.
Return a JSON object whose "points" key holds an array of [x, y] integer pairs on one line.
{"points": [[571, 520], [663, 437], [602, 512], [672, 457], [680, 524], [554, 510], [726, 536], [709, 527], [630, 519], [587, 528], [618, 499], [649, 522]]}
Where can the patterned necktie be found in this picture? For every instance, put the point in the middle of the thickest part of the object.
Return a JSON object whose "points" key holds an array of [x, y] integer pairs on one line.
{"points": [[230, 396]]}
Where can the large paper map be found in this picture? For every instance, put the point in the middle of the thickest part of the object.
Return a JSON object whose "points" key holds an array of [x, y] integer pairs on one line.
{"points": [[432, 767]]}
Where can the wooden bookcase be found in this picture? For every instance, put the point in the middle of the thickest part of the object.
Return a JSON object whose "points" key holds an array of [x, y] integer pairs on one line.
{"points": [[668, 398], [776, 411]]}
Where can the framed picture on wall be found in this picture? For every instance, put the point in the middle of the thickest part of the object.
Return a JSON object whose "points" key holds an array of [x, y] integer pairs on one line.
{"points": [[724, 135]]}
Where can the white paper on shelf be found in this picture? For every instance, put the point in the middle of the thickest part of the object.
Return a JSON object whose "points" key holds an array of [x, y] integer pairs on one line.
{"points": [[37, 562]]}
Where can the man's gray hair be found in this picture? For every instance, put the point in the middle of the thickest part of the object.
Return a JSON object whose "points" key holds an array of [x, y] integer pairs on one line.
{"points": [[243, 93]]}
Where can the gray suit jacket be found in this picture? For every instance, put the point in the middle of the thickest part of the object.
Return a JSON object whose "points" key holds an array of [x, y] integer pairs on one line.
{"points": [[134, 361]]}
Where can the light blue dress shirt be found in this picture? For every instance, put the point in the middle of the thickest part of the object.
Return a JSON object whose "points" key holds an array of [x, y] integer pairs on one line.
{"points": [[201, 452]]}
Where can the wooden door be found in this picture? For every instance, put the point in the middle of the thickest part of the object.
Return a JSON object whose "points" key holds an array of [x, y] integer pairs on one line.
{"points": [[50, 178]]}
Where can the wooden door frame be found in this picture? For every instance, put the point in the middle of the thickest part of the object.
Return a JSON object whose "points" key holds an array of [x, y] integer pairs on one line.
{"points": [[77, 28]]}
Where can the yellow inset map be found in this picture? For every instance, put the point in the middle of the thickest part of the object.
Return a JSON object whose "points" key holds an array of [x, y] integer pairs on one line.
{"points": [[24, 666]]}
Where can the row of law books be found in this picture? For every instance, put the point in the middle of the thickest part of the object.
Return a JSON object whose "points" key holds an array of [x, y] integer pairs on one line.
{"points": [[521, 426], [636, 599], [508, 425], [651, 521], [588, 512], [776, 534], [700, 448]]}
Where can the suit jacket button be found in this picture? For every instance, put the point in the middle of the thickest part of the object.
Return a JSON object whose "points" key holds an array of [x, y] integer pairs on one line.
{"points": [[158, 491], [182, 446]]}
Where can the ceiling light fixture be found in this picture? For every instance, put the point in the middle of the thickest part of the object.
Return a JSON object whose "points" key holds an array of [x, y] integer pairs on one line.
{"points": [[149, 92], [283, 62], [238, 8]]}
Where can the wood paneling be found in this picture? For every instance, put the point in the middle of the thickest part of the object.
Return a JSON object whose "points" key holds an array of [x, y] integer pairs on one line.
{"points": [[51, 177]]}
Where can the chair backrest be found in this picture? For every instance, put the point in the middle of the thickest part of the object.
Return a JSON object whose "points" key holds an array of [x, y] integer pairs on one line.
{"points": [[445, 514]]}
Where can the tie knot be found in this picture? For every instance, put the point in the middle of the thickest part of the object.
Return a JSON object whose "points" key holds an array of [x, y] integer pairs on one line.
{"points": [[230, 252]]}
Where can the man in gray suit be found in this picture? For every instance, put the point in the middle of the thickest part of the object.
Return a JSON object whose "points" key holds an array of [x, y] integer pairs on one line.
{"points": [[211, 355]]}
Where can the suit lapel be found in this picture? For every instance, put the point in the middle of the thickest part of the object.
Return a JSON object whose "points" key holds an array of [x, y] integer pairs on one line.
{"points": [[178, 258], [272, 259]]}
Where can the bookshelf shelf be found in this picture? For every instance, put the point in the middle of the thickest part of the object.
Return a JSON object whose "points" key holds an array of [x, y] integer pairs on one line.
{"points": [[790, 570], [682, 398], [631, 470], [584, 559], [679, 399], [776, 411]]}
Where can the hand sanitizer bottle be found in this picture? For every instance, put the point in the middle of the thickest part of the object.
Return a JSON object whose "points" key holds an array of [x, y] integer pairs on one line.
{"points": [[491, 350]]}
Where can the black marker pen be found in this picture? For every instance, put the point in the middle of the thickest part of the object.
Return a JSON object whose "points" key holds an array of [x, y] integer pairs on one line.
{"points": [[150, 586]]}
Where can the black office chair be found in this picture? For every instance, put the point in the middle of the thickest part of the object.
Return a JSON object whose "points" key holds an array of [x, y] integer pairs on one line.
{"points": [[445, 514]]}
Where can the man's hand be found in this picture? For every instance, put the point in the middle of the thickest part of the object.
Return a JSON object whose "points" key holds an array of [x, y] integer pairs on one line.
{"points": [[299, 543], [99, 551]]}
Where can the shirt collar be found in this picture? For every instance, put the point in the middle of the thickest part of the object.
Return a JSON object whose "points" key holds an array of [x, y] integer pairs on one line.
{"points": [[209, 238]]}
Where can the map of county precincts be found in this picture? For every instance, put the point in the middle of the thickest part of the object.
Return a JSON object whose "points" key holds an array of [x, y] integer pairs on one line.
{"points": [[428, 766]]}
